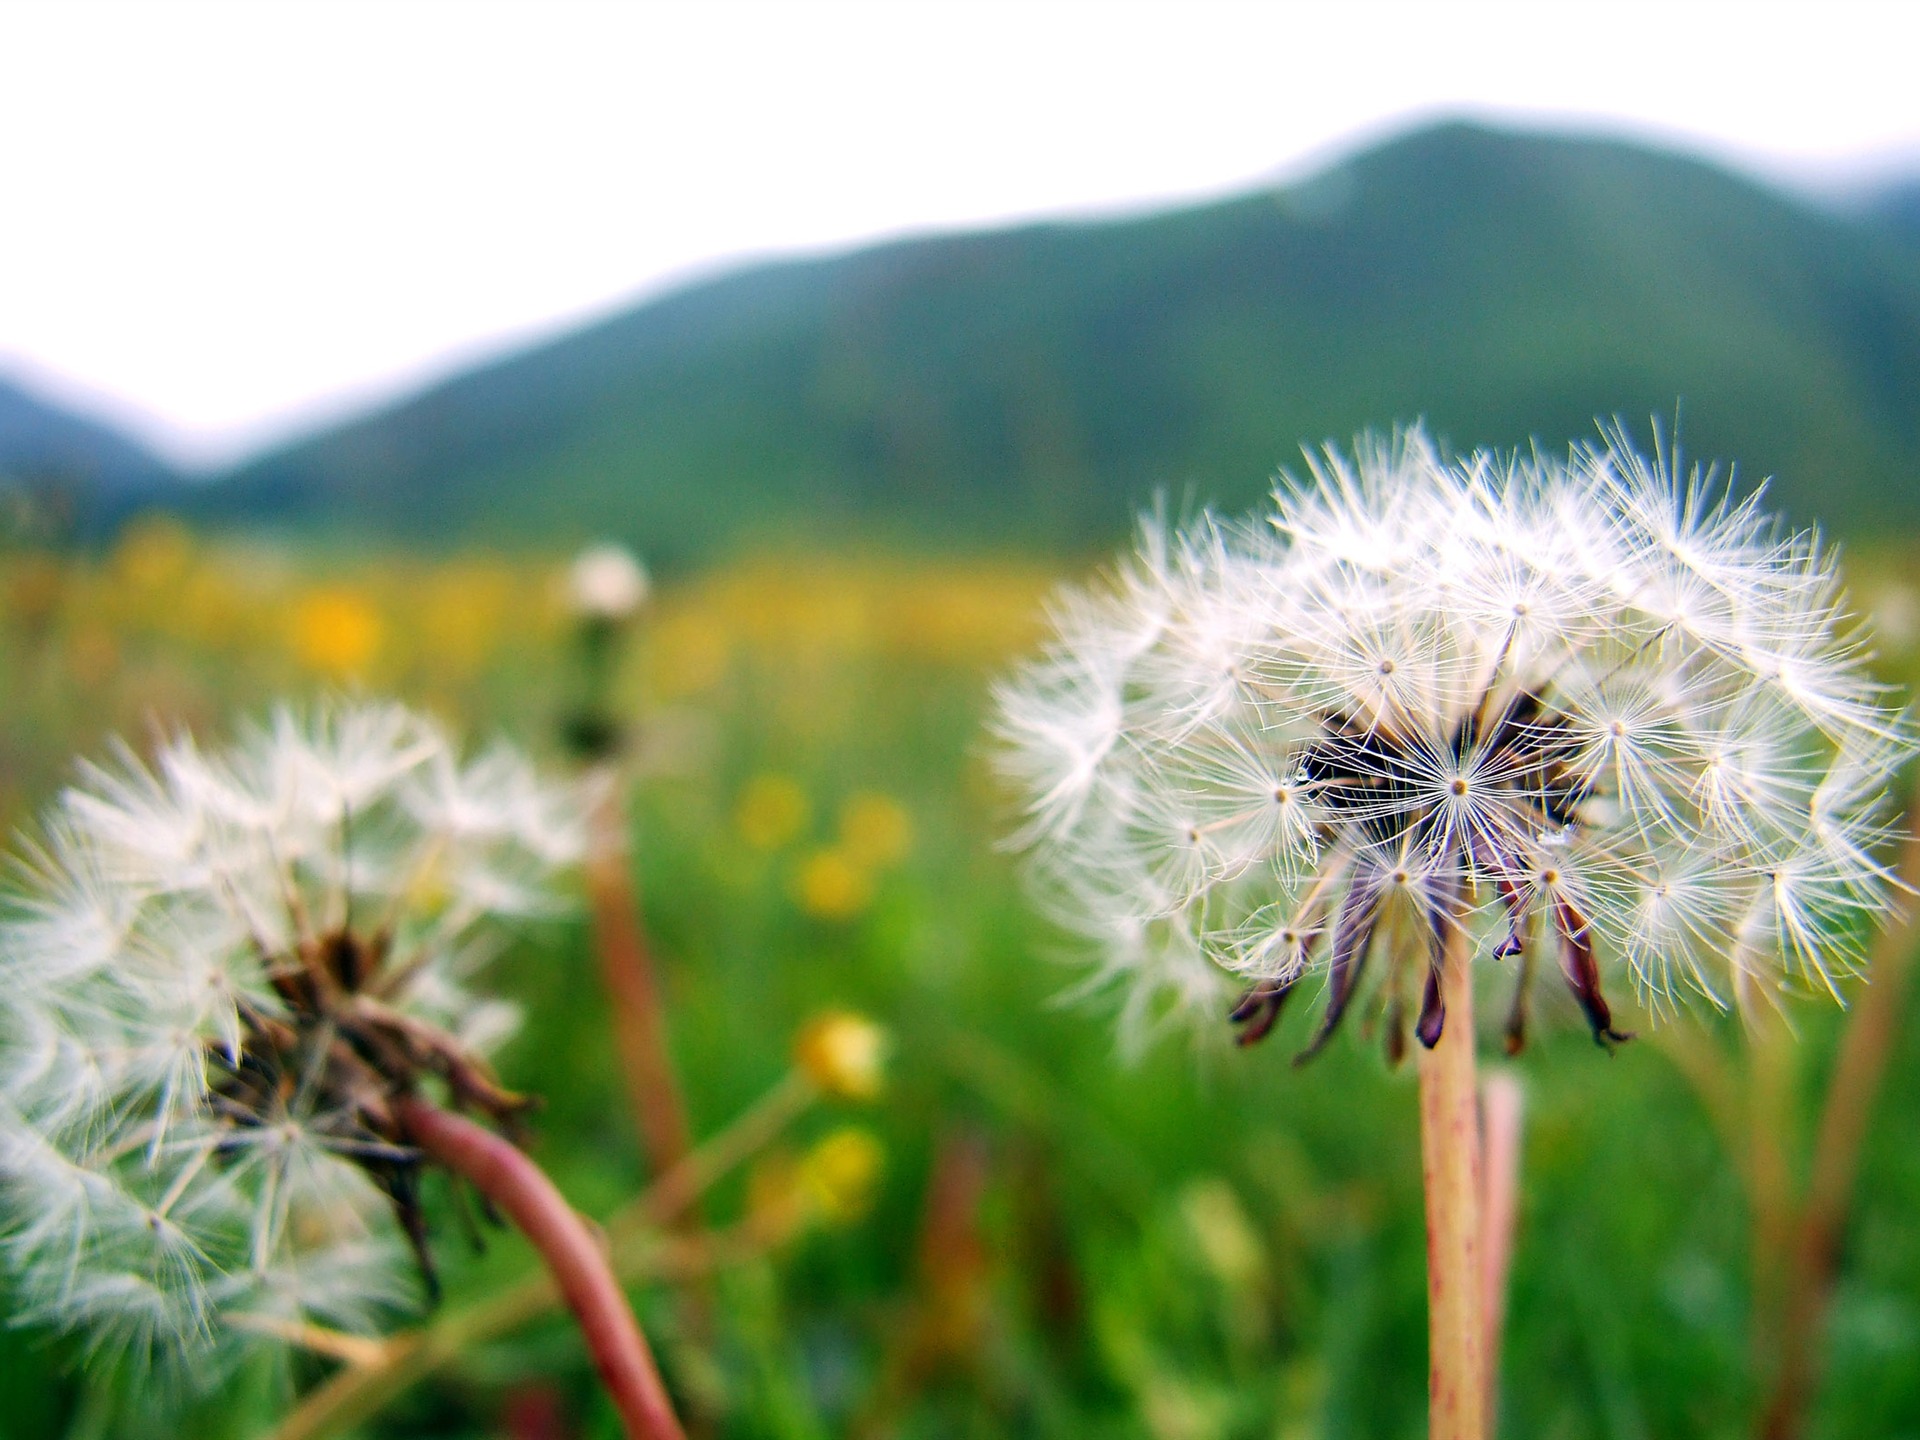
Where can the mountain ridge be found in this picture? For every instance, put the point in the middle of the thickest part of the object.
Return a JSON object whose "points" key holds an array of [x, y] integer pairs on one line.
{"points": [[80, 472], [1035, 384]]}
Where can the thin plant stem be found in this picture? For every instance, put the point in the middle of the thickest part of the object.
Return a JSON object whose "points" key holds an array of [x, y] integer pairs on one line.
{"points": [[1858, 1073], [1772, 1080], [351, 1350], [632, 983], [944, 1325], [580, 1267], [639, 1252], [632, 986], [1706, 1067], [1501, 1107], [1450, 1170], [673, 1192], [356, 1393]]}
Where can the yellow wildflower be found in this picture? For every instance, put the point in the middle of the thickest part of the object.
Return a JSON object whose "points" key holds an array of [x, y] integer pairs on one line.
{"points": [[153, 553], [841, 1173], [336, 632], [773, 810], [460, 612], [844, 1053], [35, 589], [689, 653], [93, 655], [874, 829], [831, 886]]}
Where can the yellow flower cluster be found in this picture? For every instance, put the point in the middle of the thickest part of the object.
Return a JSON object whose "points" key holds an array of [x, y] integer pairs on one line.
{"points": [[173, 624], [835, 881]]}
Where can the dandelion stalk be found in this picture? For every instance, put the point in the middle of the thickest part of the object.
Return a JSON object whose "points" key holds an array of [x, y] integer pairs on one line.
{"points": [[1500, 1111], [1773, 1127], [358, 1392], [1858, 1073], [1450, 1172], [580, 1267], [944, 1323], [606, 589], [631, 980]]}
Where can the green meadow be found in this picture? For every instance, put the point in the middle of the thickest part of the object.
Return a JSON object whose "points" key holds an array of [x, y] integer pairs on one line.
{"points": [[1026, 1232]]}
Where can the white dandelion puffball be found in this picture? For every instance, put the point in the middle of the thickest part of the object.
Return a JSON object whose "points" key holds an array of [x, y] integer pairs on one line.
{"points": [[215, 976], [607, 583], [1578, 707]]}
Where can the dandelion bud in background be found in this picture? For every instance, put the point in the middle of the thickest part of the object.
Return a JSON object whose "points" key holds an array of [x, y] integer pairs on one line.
{"points": [[606, 587], [1582, 712], [221, 976], [607, 583], [844, 1054]]}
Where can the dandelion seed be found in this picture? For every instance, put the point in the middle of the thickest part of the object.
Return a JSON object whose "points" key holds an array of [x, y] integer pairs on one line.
{"points": [[221, 973], [1586, 706]]}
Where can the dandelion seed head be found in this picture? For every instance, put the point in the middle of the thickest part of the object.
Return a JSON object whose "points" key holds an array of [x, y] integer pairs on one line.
{"points": [[1587, 705], [606, 583], [218, 969]]}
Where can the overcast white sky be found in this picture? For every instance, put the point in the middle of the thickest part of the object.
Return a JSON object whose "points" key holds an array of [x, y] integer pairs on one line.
{"points": [[223, 221]]}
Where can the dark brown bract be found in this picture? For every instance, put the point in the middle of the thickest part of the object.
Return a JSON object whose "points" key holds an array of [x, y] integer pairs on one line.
{"points": [[1439, 816], [334, 1060]]}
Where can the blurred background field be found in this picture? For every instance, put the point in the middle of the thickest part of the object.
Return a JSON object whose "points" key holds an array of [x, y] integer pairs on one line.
{"points": [[1056, 1241]]}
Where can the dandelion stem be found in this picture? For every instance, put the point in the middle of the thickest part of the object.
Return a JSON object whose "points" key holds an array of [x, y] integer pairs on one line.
{"points": [[1500, 1112], [1450, 1171], [943, 1326], [1857, 1076], [639, 1251], [633, 986], [1708, 1072], [581, 1268], [358, 1392], [1772, 1084]]}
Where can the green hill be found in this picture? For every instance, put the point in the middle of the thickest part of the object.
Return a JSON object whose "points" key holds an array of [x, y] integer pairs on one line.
{"points": [[1035, 385], [64, 473]]}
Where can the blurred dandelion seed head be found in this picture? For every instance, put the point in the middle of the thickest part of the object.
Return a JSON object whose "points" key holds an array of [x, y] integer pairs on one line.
{"points": [[1587, 705], [218, 970], [607, 583]]}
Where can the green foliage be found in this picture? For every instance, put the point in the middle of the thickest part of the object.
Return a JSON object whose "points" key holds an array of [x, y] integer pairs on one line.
{"points": [[1037, 385]]}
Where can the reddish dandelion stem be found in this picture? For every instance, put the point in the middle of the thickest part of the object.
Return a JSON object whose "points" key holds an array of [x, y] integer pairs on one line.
{"points": [[1450, 1170], [633, 986], [1500, 1110], [580, 1267]]}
